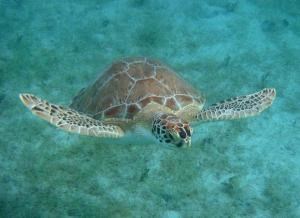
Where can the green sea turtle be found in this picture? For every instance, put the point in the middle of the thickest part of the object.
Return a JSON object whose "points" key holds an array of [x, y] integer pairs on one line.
{"points": [[145, 93]]}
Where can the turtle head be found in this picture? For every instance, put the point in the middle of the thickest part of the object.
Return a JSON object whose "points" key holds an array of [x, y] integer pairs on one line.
{"points": [[170, 129]]}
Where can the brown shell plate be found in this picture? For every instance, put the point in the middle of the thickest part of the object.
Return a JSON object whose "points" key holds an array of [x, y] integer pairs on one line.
{"points": [[129, 85]]}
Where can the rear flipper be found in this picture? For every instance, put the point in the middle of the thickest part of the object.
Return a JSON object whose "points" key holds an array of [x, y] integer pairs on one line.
{"points": [[239, 107], [68, 119]]}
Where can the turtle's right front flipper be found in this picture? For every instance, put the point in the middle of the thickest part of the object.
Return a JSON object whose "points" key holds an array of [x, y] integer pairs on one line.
{"points": [[239, 107], [68, 119]]}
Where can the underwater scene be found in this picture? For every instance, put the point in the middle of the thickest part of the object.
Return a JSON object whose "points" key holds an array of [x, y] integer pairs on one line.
{"points": [[141, 78]]}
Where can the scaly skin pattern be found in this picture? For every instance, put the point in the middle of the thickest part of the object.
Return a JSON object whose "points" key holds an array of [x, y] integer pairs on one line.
{"points": [[239, 107], [168, 128], [68, 119]]}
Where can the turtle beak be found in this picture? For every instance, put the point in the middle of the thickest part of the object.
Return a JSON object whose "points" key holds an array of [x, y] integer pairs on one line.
{"points": [[184, 143], [189, 142]]}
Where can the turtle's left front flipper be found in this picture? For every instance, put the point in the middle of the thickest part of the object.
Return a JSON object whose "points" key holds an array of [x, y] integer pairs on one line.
{"points": [[68, 119], [238, 107]]}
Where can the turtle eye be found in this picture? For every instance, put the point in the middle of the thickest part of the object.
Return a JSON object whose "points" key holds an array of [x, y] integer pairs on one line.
{"points": [[187, 130], [182, 133]]}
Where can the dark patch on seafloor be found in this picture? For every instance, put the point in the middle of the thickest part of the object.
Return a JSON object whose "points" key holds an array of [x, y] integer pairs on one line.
{"points": [[272, 26], [2, 97], [207, 141], [144, 175]]}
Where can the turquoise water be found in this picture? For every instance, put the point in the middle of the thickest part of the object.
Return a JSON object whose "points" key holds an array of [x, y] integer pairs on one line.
{"points": [[244, 168]]}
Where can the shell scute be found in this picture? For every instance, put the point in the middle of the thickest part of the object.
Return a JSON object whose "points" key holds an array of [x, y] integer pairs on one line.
{"points": [[114, 111], [130, 85], [171, 103]]}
